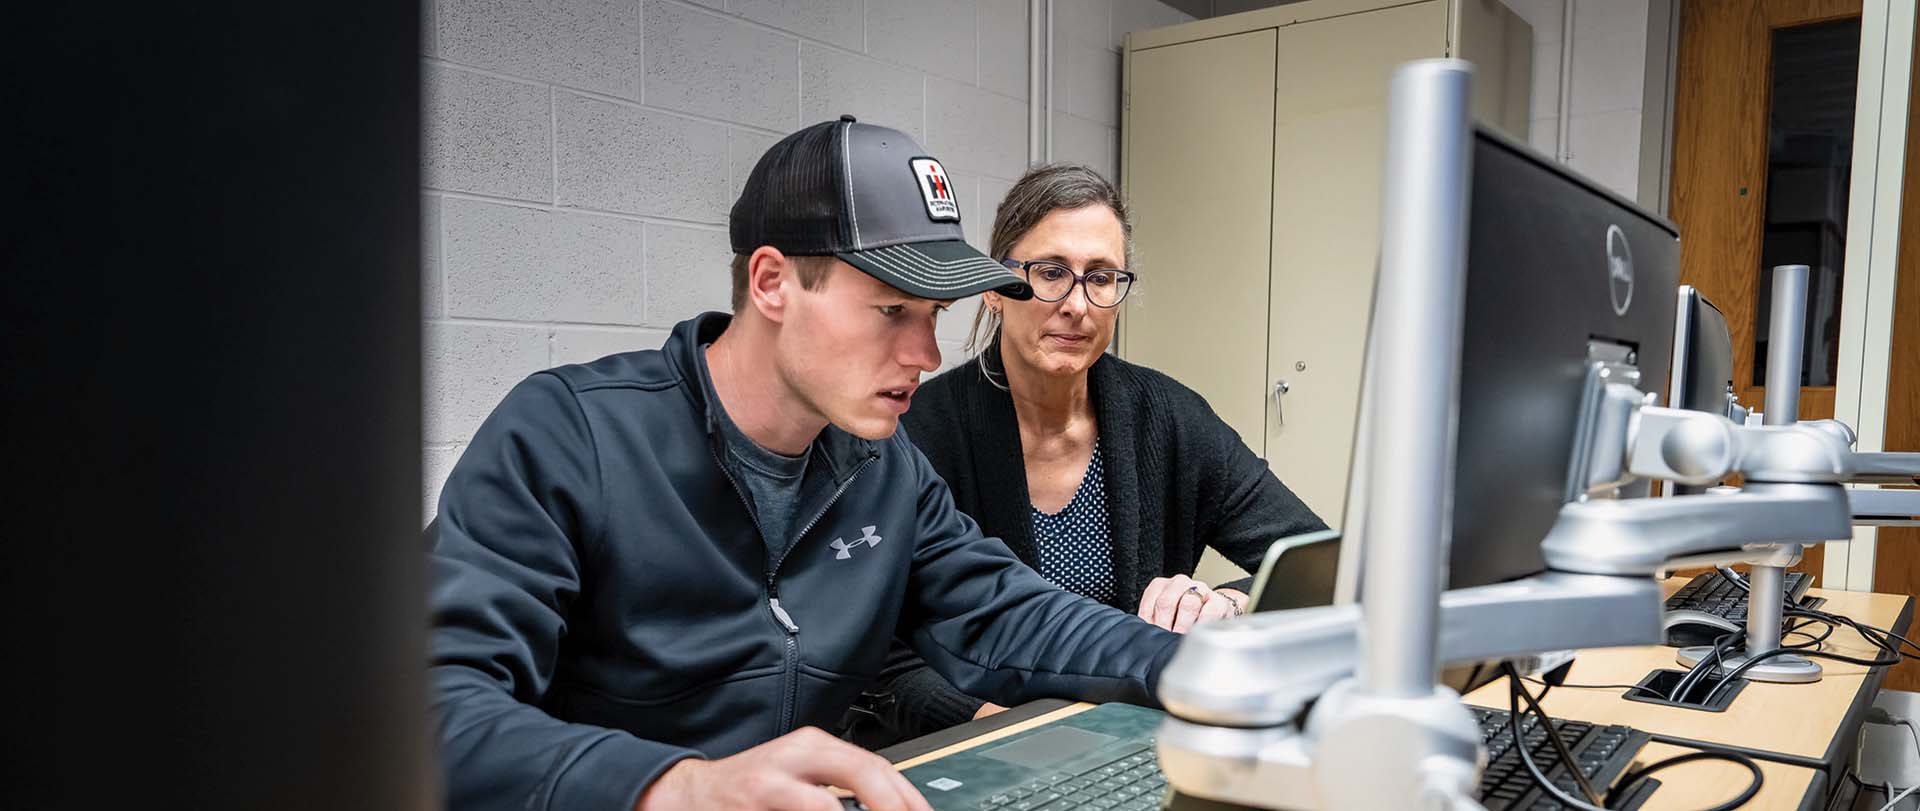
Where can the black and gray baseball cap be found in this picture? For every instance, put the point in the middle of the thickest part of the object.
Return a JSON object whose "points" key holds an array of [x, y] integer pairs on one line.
{"points": [[872, 197]]}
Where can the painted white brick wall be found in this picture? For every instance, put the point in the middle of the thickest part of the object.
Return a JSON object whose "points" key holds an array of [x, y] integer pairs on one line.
{"points": [[581, 155], [1609, 75]]}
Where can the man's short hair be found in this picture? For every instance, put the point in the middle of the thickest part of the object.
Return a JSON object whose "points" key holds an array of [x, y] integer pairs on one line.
{"points": [[812, 270]]}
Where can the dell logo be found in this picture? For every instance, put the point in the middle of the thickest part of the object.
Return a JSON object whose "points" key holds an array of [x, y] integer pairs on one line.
{"points": [[1619, 269]]}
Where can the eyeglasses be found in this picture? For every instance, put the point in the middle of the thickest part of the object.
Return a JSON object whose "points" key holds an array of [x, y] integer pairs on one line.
{"points": [[1052, 281]]}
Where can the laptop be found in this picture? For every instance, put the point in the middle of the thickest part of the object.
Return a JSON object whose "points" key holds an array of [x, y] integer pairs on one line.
{"points": [[1106, 752], [1298, 572]]}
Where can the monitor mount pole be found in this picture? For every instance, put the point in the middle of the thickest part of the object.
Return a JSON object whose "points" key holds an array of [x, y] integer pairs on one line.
{"points": [[1766, 601]]}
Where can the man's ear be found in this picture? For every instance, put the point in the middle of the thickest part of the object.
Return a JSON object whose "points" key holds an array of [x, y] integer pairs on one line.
{"points": [[769, 274]]}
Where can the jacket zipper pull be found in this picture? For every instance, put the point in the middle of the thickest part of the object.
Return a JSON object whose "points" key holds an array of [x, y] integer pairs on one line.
{"points": [[781, 615]]}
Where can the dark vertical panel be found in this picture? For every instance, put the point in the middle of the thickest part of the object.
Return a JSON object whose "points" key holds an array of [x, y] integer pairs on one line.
{"points": [[1809, 171], [211, 423]]}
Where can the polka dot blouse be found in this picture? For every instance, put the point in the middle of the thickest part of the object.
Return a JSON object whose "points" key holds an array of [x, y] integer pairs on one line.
{"points": [[1076, 551]]}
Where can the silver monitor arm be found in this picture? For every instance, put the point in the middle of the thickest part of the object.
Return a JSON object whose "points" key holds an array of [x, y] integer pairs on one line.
{"points": [[1885, 508], [1293, 728], [1792, 493], [1339, 707], [1888, 467], [1882, 467], [1873, 507], [1383, 733]]}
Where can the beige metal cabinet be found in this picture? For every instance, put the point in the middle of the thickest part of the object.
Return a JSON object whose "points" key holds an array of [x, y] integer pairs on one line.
{"points": [[1251, 152]]}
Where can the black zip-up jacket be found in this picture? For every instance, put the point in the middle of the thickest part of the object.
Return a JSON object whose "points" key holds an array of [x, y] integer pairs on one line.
{"points": [[603, 604]]}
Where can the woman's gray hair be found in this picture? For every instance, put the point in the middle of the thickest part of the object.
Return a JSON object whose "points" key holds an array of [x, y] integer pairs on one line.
{"points": [[1042, 191]]}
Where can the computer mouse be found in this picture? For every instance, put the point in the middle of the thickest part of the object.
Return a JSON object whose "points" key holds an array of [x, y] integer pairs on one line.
{"points": [[1686, 628]]}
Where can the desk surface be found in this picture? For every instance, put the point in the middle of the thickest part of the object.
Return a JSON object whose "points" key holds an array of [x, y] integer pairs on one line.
{"points": [[1801, 720], [1804, 722], [1687, 786], [1707, 783]]}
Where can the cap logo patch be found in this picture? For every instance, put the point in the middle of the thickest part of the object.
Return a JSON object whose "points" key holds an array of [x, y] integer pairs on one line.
{"points": [[936, 189]]}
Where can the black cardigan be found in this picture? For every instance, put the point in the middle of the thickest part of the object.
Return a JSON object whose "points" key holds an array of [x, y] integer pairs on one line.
{"points": [[1178, 480]]}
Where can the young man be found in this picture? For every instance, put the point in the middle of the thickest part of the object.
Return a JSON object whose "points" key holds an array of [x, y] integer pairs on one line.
{"points": [[701, 552]]}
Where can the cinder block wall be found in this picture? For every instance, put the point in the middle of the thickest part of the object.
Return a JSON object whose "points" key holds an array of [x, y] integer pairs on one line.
{"points": [[1610, 63], [580, 155]]}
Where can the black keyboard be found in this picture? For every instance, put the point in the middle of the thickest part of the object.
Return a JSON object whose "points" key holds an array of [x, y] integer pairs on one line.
{"points": [[1714, 594], [1603, 753]]}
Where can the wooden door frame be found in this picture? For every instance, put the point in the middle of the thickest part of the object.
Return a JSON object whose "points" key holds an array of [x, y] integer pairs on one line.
{"points": [[1721, 106], [1880, 265], [1878, 385], [1896, 565]]}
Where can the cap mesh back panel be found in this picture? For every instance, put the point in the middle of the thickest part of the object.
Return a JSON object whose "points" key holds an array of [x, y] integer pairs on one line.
{"points": [[792, 199]]}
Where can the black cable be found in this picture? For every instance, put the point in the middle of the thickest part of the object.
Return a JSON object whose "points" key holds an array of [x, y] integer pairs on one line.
{"points": [[1722, 645], [1719, 661], [1694, 673], [1729, 643], [1815, 642], [1701, 672], [1753, 788], [1624, 786], [1880, 637], [1890, 643], [1754, 660], [1553, 737], [1514, 692], [1790, 607]]}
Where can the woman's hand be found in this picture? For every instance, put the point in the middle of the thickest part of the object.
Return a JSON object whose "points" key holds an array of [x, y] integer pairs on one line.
{"points": [[1241, 602], [1176, 603]]}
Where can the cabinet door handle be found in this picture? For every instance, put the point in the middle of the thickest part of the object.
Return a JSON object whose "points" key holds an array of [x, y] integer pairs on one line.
{"points": [[1280, 388]]}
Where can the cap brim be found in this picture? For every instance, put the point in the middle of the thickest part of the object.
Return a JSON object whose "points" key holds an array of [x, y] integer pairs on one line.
{"points": [[949, 269]]}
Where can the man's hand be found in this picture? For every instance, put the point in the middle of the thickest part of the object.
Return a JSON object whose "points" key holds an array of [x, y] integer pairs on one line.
{"points": [[1176, 603], [987, 709], [787, 773]]}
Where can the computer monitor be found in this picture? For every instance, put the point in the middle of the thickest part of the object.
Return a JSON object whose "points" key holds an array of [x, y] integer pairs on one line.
{"points": [[1561, 274], [1702, 378]]}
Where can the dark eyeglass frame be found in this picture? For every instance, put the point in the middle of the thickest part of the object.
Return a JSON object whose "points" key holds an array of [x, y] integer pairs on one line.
{"points": [[1025, 268]]}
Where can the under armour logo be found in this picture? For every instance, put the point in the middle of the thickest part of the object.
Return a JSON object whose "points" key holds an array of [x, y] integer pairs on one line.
{"points": [[844, 550]]}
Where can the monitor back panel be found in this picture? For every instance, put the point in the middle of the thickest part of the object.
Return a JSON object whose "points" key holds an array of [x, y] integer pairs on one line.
{"points": [[1553, 264]]}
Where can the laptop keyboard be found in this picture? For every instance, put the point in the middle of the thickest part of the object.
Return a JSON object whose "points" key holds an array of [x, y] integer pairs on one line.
{"points": [[1129, 782], [1714, 594]]}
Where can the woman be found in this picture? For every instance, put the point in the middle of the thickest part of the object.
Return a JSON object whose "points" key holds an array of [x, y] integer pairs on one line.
{"points": [[1108, 478]]}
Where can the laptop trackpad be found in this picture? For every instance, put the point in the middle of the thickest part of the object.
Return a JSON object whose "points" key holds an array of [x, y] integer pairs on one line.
{"points": [[1048, 747]]}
